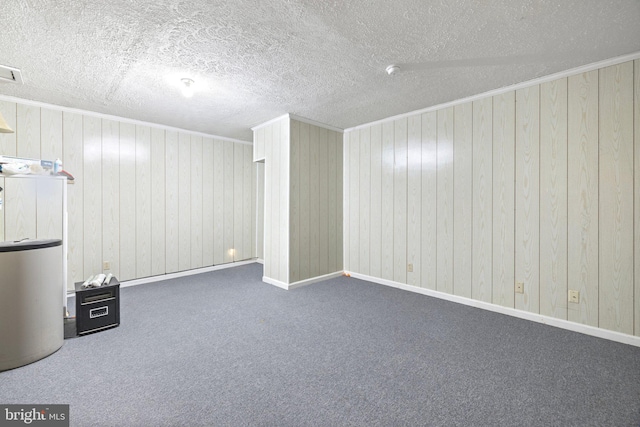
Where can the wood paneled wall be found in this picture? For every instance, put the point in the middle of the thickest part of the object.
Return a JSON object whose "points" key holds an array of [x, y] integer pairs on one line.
{"points": [[276, 199], [315, 201], [147, 200], [302, 199], [539, 185]]}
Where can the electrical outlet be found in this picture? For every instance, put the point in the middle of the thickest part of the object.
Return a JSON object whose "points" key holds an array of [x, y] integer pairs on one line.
{"points": [[519, 287], [410, 268], [106, 265], [574, 296]]}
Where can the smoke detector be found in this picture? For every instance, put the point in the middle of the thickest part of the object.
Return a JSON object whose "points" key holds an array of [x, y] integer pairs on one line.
{"points": [[392, 69], [10, 74]]}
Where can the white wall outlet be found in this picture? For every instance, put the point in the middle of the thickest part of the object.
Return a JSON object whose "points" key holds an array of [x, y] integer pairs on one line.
{"points": [[410, 268], [519, 287], [106, 265], [574, 296]]}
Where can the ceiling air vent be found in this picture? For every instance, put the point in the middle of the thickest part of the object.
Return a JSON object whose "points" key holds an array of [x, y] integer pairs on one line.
{"points": [[10, 74]]}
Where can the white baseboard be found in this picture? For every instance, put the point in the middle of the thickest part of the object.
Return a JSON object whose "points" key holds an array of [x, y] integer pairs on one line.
{"points": [[301, 283], [539, 318], [185, 273], [315, 279], [260, 261], [275, 282]]}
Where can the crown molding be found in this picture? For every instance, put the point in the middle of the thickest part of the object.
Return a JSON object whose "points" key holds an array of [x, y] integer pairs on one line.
{"points": [[551, 77], [117, 118]]}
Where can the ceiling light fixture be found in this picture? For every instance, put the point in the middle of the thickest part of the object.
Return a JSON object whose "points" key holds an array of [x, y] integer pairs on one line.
{"points": [[392, 69], [4, 127], [187, 90]]}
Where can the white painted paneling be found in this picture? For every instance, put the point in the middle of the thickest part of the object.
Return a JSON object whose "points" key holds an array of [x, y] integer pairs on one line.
{"points": [[49, 206], [238, 198], [375, 242], [354, 201], [294, 204], [260, 230], [400, 201], [251, 173], [218, 201], [553, 199], [158, 202], [8, 140], [28, 131], [346, 204], [143, 201], [32, 208], [184, 201], [277, 186], [527, 242], [388, 155], [268, 190], [482, 200], [129, 205], [273, 243], [228, 198], [20, 214], [504, 149], [111, 195], [258, 145], [127, 202], [196, 202], [92, 176], [445, 201], [314, 201], [50, 134], [636, 174], [521, 199], [283, 256], [582, 235], [72, 161], [364, 198], [340, 200], [172, 203], [414, 202], [462, 199], [323, 201], [304, 203], [335, 213], [207, 201], [616, 198], [428, 211]]}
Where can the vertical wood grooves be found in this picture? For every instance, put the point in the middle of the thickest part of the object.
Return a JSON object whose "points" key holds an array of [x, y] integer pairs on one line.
{"points": [[550, 184], [127, 206]]}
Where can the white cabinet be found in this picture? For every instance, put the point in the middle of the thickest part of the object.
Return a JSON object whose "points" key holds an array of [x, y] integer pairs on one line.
{"points": [[33, 207]]}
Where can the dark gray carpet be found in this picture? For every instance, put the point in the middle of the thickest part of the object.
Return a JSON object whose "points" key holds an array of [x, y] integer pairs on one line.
{"points": [[225, 349]]}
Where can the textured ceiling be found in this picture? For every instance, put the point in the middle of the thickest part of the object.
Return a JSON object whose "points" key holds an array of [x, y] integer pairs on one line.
{"points": [[320, 59]]}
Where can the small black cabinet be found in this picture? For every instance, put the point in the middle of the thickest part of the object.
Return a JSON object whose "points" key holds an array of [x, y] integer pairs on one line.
{"points": [[97, 308]]}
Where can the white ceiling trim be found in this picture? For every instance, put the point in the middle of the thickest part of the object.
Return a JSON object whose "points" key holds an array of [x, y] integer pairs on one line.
{"points": [[551, 77], [300, 119], [270, 122], [118, 118], [314, 123]]}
